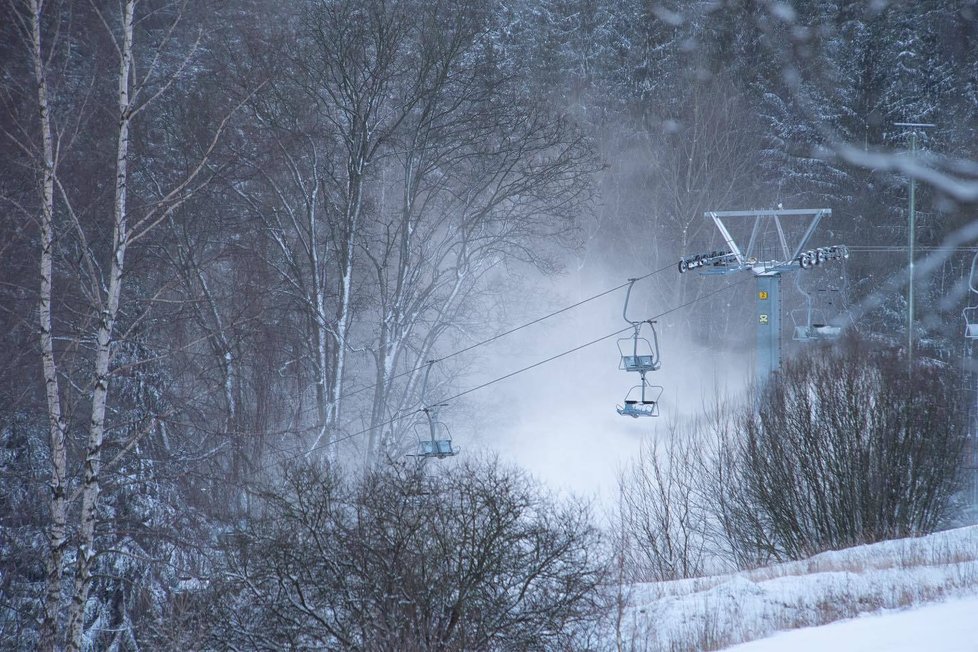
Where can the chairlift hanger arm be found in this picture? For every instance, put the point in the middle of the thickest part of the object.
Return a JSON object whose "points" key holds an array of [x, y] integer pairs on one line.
{"points": [[624, 310]]}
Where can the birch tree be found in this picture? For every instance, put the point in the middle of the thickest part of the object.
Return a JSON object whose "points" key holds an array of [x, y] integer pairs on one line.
{"points": [[479, 174], [325, 123], [139, 80], [58, 529]]}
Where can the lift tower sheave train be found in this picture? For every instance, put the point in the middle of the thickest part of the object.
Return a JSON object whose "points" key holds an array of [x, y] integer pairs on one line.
{"points": [[767, 264]]}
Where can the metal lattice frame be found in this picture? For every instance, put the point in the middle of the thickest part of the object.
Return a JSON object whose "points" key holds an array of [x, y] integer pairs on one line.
{"points": [[766, 270]]}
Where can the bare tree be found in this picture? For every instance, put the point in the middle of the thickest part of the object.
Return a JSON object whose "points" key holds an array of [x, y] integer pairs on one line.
{"points": [[847, 447], [402, 163], [469, 558], [325, 123], [59, 135], [662, 516], [481, 174], [735, 529]]}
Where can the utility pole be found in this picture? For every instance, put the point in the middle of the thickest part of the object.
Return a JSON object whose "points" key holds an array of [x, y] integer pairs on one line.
{"points": [[912, 219]]}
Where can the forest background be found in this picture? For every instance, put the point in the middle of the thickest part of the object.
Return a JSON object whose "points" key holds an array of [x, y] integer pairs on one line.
{"points": [[237, 236]]}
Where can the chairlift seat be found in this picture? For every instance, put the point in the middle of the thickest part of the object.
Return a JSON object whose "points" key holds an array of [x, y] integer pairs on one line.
{"points": [[827, 332], [439, 448], [817, 332], [641, 401], [635, 409], [971, 331], [639, 363], [803, 334]]}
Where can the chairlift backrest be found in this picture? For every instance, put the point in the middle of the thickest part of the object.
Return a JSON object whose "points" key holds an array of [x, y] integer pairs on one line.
{"points": [[970, 316], [971, 323], [439, 448], [638, 354]]}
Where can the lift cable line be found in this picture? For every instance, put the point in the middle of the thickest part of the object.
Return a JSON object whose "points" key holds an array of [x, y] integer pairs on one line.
{"points": [[961, 239], [498, 336], [886, 248], [513, 373], [407, 372]]}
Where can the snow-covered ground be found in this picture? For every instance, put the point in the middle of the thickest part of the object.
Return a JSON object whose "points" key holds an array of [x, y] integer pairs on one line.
{"points": [[946, 627], [710, 613]]}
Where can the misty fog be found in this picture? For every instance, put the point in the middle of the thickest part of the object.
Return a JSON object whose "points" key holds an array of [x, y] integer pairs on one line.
{"points": [[255, 255]]}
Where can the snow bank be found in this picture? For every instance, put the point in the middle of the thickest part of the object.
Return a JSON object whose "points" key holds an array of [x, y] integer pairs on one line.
{"points": [[712, 612]]}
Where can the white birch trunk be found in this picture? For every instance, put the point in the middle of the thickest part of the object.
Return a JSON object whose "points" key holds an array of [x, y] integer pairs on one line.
{"points": [[324, 400], [106, 324], [342, 327], [344, 309], [57, 540], [382, 377]]}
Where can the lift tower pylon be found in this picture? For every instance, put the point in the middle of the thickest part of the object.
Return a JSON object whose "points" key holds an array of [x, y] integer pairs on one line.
{"points": [[790, 230]]}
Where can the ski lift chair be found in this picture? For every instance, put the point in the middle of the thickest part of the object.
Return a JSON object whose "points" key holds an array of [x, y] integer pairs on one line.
{"points": [[808, 330], [810, 324], [641, 401], [971, 313], [435, 440], [641, 356], [971, 322], [637, 353]]}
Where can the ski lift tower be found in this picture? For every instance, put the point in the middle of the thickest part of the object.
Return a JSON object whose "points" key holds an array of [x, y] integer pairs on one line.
{"points": [[766, 263]]}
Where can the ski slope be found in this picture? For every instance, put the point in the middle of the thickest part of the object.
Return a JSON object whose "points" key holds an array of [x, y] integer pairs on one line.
{"points": [[888, 578], [946, 627]]}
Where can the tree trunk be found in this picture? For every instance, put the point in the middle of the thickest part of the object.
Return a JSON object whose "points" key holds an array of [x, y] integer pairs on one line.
{"points": [[106, 324], [56, 421]]}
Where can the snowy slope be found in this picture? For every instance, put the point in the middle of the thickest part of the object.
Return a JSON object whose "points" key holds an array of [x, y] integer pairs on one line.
{"points": [[947, 627], [712, 612]]}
